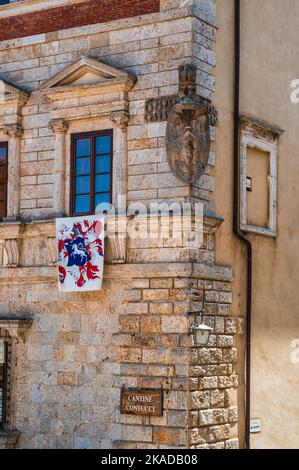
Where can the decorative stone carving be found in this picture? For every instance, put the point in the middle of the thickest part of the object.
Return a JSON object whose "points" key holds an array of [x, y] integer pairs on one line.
{"points": [[58, 126], [158, 109], [260, 128], [15, 328], [187, 77], [118, 248], [13, 130], [188, 131], [12, 250], [120, 119]]}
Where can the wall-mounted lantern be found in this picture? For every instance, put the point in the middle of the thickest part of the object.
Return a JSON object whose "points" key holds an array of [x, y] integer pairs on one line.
{"points": [[200, 332]]}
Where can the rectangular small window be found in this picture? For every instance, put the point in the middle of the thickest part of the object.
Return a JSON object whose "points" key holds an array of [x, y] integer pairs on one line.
{"points": [[3, 380], [258, 176], [91, 182], [3, 179]]}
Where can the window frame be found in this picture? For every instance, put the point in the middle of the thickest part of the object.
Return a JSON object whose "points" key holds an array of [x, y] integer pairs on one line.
{"points": [[5, 146], [73, 174], [248, 140], [3, 415]]}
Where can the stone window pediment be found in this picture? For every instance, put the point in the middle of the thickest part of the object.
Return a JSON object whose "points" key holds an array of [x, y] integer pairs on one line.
{"points": [[13, 93], [12, 100], [87, 77]]}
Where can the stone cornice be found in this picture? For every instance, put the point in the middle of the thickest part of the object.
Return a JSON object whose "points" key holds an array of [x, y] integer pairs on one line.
{"points": [[123, 271], [261, 126]]}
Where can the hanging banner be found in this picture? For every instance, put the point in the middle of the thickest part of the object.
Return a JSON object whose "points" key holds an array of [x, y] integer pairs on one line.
{"points": [[80, 243]]}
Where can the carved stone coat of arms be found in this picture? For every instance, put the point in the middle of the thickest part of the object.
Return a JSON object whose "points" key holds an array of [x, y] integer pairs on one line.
{"points": [[188, 139]]}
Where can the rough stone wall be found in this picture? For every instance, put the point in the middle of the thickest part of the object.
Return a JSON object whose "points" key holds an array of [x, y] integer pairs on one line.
{"points": [[83, 348], [155, 349], [213, 411]]}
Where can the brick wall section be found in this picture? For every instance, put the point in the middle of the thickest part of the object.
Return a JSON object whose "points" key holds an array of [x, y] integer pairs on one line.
{"points": [[90, 12]]}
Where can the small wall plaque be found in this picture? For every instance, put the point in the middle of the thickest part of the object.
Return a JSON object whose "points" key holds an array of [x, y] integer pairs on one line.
{"points": [[255, 425], [142, 401]]}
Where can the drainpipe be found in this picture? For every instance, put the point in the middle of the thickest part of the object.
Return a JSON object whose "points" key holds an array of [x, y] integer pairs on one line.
{"points": [[236, 207]]}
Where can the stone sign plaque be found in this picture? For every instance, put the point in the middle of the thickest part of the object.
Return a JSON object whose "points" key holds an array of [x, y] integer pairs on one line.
{"points": [[142, 401]]}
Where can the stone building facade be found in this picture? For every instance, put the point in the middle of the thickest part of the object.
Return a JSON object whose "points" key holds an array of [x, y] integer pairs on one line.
{"points": [[78, 66]]}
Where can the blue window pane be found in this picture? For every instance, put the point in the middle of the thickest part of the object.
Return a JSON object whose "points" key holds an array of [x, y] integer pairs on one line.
{"points": [[83, 166], [102, 183], [101, 199], [82, 204], [103, 164], [82, 147], [82, 184], [103, 144], [2, 155]]}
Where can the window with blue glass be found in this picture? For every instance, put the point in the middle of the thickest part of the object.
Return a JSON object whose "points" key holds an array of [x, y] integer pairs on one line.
{"points": [[91, 171]]}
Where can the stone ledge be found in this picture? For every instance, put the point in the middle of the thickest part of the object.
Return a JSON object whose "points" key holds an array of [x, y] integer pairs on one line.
{"points": [[126, 271]]}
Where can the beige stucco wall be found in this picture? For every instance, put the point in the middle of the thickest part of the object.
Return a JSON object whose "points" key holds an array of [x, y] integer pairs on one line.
{"points": [[269, 63]]}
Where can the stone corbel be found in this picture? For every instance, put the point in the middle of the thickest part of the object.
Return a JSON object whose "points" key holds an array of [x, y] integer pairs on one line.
{"points": [[12, 250], [14, 133], [10, 244], [52, 251], [15, 328], [117, 239], [59, 127], [211, 224], [118, 245]]}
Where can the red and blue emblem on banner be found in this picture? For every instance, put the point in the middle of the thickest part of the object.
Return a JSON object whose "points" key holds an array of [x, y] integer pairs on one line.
{"points": [[80, 243]]}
